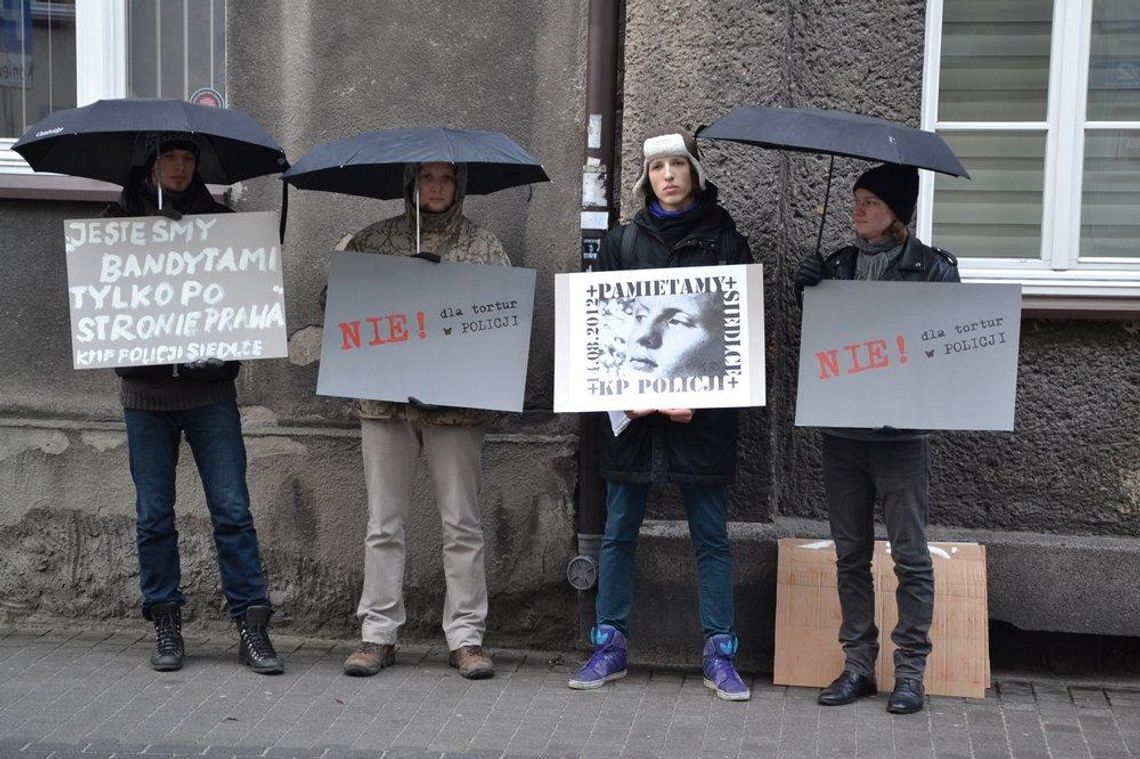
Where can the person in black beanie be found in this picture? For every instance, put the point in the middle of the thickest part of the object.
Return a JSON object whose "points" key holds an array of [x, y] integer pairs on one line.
{"points": [[681, 224], [891, 465], [198, 400]]}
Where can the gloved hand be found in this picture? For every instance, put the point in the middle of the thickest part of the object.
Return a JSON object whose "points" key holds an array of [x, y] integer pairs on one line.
{"points": [[427, 256], [170, 213], [811, 272], [421, 406], [323, 300], [203, 363]]}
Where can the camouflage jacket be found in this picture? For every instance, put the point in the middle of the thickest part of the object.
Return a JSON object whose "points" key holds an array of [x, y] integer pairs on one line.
{"points": [[455, 238]]}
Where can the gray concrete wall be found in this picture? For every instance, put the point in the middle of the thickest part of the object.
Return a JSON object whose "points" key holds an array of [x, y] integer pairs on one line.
{"points": [[310, 72], [1070, 467]]}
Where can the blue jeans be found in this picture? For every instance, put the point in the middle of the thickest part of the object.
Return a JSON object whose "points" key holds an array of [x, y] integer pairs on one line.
{"points": [[706, 506], [214, 435]]}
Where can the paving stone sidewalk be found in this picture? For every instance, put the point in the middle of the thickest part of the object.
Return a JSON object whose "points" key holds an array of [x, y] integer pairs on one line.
{"points": [[91, 694]]}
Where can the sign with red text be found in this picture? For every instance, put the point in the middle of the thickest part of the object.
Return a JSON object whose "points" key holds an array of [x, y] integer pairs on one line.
{"points": [[689, 337], [149, 290], [909, 355], [448, 334]]}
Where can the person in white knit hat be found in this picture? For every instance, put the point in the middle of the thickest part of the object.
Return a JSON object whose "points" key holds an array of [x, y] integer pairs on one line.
{"points": [[679, 224]]}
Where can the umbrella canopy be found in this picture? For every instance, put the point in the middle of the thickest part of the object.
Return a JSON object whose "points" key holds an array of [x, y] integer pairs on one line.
{"points": [[813, 130], [372, 164], [109, 138]]}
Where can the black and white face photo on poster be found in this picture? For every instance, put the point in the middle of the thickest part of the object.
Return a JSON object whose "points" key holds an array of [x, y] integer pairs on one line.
{"points": [[689, 337], [663, 336]]}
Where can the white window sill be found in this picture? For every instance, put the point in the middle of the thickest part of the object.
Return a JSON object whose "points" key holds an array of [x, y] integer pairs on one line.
{"points": [[1075, 293]]}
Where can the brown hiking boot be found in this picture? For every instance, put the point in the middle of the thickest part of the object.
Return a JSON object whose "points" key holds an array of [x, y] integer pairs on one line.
{"points": [[369, 658], [472, 663]]}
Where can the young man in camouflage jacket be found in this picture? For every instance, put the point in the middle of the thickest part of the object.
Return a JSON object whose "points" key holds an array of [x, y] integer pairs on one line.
{"points": [[394, 434]]}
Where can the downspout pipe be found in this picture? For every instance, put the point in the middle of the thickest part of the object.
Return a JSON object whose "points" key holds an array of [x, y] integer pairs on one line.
{"points": [[597, 216]]}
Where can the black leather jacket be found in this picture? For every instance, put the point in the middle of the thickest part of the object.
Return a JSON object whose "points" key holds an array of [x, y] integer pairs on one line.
{"points": [[918, 262]]}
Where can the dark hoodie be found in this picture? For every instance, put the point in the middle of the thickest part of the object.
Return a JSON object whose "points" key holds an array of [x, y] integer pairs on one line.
{"points": [[172, 387]]}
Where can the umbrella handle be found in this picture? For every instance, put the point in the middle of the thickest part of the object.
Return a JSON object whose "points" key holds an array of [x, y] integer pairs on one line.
{"points": [[416, 193], [284, 211], [826, 197]]}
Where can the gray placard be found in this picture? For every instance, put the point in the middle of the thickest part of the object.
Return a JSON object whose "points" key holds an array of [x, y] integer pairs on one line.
{"points": [[451, 334], [148, 290], [909, 355]]}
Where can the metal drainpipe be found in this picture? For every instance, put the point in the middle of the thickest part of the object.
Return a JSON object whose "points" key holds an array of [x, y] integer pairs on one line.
{"points": [[597, 216]]}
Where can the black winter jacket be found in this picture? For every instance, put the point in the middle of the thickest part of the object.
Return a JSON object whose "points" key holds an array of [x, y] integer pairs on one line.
{"points": [[652, 448]]}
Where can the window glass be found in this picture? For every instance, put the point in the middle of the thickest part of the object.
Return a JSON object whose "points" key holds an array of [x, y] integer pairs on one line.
{"points": [[37, 61], [998, 214], [1110, 199], [995, 60], [1114, 61], [175, 47]]}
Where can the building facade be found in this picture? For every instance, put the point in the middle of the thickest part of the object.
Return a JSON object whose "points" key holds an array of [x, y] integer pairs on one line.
{"points": [[1038, 98]]}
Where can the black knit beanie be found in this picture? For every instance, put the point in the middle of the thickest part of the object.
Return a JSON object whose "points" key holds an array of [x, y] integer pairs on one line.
{"points": [[895, 185]]}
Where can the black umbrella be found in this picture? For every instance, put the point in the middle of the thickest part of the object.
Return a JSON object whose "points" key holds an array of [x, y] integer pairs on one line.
{"points": [[109, 138], [372, 164], [813, 130]]}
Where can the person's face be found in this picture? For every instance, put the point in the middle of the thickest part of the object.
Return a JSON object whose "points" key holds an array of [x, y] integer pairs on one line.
{"points": [[174, 169], [437, 186], [670, 336], [871, 216], [671, 178]]}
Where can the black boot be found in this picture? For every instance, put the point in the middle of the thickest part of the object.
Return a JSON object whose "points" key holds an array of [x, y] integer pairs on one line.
{"points": [[907, 697], [846, 688], [256, 650], [168, 646]]}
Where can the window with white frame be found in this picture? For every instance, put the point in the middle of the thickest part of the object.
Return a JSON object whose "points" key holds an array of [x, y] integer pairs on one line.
{"points": [[62, 53], [1041, 101]]}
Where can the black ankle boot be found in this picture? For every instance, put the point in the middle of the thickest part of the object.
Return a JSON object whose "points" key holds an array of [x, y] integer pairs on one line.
{"points": [[907, 697], [168, 647], [846, 688], [256, 650]]}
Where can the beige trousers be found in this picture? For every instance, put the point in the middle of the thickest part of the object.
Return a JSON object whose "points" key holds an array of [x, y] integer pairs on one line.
{"points": [[391, 452]]}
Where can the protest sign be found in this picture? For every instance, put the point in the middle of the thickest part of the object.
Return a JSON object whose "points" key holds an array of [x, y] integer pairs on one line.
{"points": [[689, 337], [150, 290], [909, 355], [450, 334]]}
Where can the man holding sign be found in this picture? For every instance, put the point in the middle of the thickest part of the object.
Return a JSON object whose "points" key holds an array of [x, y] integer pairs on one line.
{"points": [[394, 434], [198, 400], [862, 465], [681, 225]]}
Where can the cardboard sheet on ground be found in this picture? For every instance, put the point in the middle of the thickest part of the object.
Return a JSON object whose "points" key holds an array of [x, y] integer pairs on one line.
{"points": [[450, 334], [149, 290], [808, 617], [909, 355], [659, 338]]}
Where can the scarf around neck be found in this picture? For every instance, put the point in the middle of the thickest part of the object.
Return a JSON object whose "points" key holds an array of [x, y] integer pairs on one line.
{"points": [[875, 257]]}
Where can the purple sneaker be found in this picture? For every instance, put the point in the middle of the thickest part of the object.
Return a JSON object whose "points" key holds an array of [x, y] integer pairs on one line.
{"points": [[720, 675], [607, 663]]}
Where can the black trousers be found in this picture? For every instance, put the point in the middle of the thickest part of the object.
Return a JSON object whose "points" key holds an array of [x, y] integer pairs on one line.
{"points": [[855, 474]]}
